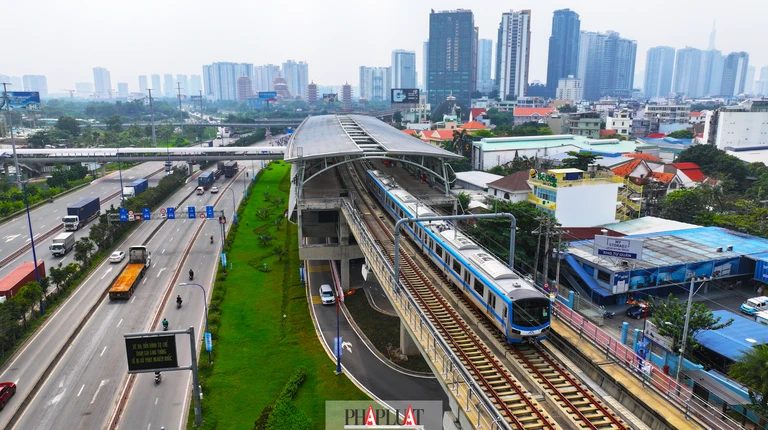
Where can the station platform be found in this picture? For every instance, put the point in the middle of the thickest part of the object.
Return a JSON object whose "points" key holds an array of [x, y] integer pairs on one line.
{"points": [[627, 383], [416, 186], [325, 185]]}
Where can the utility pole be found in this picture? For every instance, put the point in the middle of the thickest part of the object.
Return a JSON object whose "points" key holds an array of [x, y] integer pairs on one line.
{"points": [[10, 127], [202, 115], [546, 250], [181, 112], [559, 249], [538, 247], [152, 118]]}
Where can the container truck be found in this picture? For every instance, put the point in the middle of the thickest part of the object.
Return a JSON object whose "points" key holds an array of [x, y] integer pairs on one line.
{"points": [[230, 169], [19, 277], [139, 259], [62, 244], [205, 180], [135, 188], [219, 170], [81, 213]]}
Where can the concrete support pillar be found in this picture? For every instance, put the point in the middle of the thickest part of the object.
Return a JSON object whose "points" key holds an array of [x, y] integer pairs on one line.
{"points": [[7, 172], [103, 170], [635, 335], [571, 298], [624, 332], [345, 284], [343, 230], [407, 344], [190, 167]]}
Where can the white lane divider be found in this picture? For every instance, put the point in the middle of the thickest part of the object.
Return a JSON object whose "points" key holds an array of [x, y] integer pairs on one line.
{"points": [[81, 390], [101, 384], [102, 351], [106, 273], [119, 322], [161, 271]]}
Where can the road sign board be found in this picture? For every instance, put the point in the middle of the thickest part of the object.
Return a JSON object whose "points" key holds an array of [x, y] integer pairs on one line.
{"points": [[123, 215], [208, 342], [137, 217], [191, 212], [130, 214], [202, 215], [156, 352], [222, 220], [267, 94], [162, 210], [224, 259], [209, 212], [171, 213], [146, 214]]}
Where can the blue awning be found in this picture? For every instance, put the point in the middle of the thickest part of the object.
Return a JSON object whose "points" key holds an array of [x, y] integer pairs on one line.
{"points": [[590, 281]]}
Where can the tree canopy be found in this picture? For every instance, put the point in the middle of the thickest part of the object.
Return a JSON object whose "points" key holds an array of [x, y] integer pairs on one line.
{"points": [[69, 125], [715, 163], [681, 134], [579, 160], [669, 316], [751, 370]]}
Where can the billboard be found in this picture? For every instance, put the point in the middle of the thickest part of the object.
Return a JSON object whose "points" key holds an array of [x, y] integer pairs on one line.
{"points": [[264, 95], [21, 100], [619, 247], [405, 95], [196, 98], [146, 353], [330, 98]]}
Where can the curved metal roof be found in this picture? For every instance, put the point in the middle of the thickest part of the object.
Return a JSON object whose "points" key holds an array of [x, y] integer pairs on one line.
{"points": [[357, 135]]}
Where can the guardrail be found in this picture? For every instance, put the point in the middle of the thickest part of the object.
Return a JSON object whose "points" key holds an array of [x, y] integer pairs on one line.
{"points": [[680, 395], [450, 367]]}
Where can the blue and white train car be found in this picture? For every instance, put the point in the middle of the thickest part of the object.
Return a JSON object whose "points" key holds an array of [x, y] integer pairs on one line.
{"points": [[510, 302]]}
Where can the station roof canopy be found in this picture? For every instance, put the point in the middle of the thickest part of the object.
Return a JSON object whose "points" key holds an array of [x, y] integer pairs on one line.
{"points": [[355, 135]]}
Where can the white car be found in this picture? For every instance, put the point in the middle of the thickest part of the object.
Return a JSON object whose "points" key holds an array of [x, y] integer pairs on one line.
{"points": [[117, 257], [326, 294], [214, 190]]}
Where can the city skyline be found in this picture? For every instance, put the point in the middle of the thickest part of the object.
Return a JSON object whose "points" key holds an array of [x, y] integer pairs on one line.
{"points": [[333, 66]]}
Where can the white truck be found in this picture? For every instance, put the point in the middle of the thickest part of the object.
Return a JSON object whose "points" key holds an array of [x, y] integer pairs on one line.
{"points": [[62, 244]]}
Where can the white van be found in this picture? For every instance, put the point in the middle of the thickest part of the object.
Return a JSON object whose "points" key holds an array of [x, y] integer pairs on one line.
{"points": [[755, 305], [200, 191]]}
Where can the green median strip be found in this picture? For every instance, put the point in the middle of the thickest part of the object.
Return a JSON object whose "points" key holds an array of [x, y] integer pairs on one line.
{"points": [[268, 362]]}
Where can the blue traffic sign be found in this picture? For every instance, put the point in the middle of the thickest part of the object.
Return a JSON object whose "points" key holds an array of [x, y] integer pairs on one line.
{"points": [[146, 215], [171, 213], [224, 260], [209, 212], [208, 342], [337, 341], [267, 94], [123, 215], [191, 212]]}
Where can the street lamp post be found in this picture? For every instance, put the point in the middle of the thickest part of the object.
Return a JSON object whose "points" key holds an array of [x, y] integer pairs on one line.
{"points": [[234, 207], [684, 335], [120, 172], [205, 307], [32, 242], [10, 125], [338, 340]]}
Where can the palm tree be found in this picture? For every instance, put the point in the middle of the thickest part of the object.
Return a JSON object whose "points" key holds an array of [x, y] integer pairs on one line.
{"points": [[264, 239], [280, 252], [751, 369]]}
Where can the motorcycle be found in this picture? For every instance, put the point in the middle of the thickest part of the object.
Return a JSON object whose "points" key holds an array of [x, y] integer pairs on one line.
{"points": [[607, 314], [165, 326], [191, 276], [158, 378], [211, 240], [178, 305]]}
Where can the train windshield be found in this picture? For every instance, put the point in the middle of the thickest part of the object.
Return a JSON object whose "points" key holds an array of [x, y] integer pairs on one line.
{"points": [[530, 312]]}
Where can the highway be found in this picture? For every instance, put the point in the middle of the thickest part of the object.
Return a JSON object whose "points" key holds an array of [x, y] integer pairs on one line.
{"points": [[82, 388]]}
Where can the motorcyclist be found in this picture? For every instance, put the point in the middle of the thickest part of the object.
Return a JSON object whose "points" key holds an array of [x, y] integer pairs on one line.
{"points": [[211, 238], [178, 299], [165, 323], [191, 274]]}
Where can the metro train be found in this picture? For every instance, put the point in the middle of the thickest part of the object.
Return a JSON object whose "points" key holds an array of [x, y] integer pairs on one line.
{"points": [[515, 307]]}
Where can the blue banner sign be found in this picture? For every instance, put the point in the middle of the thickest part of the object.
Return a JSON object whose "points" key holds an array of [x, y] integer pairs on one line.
{"points": [[21, 100], [123, 215], [171, 213], [191, 212], [267, 94], [146, 215], [209, 212], [208, 342]]}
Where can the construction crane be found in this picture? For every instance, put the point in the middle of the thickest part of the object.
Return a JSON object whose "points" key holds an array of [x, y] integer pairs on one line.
{"points": [[71, 93]]}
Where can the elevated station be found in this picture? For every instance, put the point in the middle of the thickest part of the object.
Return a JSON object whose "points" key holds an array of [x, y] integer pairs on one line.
{"points": [[325, 142]]}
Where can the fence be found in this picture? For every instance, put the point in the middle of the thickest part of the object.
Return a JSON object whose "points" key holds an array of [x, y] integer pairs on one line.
{"points": [[681, 396]]}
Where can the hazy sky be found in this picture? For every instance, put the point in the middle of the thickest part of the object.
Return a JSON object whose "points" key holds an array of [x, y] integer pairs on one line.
{"points": [[64, 40]]}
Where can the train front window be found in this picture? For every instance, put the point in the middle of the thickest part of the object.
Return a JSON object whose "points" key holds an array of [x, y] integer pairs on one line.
{"points": [[530, 312]]}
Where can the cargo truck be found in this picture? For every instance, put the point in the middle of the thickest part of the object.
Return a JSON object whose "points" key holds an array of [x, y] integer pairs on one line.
{"points": [[139, 259], [230, 169], [205, 180], [81, 213], [135, 188], [62, 244], [219, 170], [19, 277]]}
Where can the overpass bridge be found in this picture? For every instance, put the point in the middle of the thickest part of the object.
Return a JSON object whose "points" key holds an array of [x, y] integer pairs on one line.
{"points": [[108, 155]]}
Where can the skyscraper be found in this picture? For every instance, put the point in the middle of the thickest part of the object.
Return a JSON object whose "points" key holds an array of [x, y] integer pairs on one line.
{"points": [[169, 88], [659, 65], [750, 80], [712, 62], [403, 69], [157, 90], [122, 89], [265, 76], [102, 83], [35, 83], [451, 56], [606, 64], [375, 83], [244, 89], [515, 43], [425, 75], [183, 83], [734, 74], [484, 65], [143, 83], [296, 75], [220, 79], [712, 35], [689, 72], [195, 85], [563, 57]]}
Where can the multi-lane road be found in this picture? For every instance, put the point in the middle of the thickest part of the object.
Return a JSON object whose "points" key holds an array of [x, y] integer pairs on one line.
{"points": [[70, 375]]}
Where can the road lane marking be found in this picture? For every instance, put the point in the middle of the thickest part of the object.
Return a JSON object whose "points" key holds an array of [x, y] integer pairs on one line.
{"points": [[55, 210], [105, 348], [156, 399], [153, 266], [42, 226], [40, 218], [161, 271], [106, 273], [163, 251], [133, 299], [120, 322], [11, 237], [101, 384], [81, 390], [16, 382], [144, 281], [178, 229], [170, 240]]}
